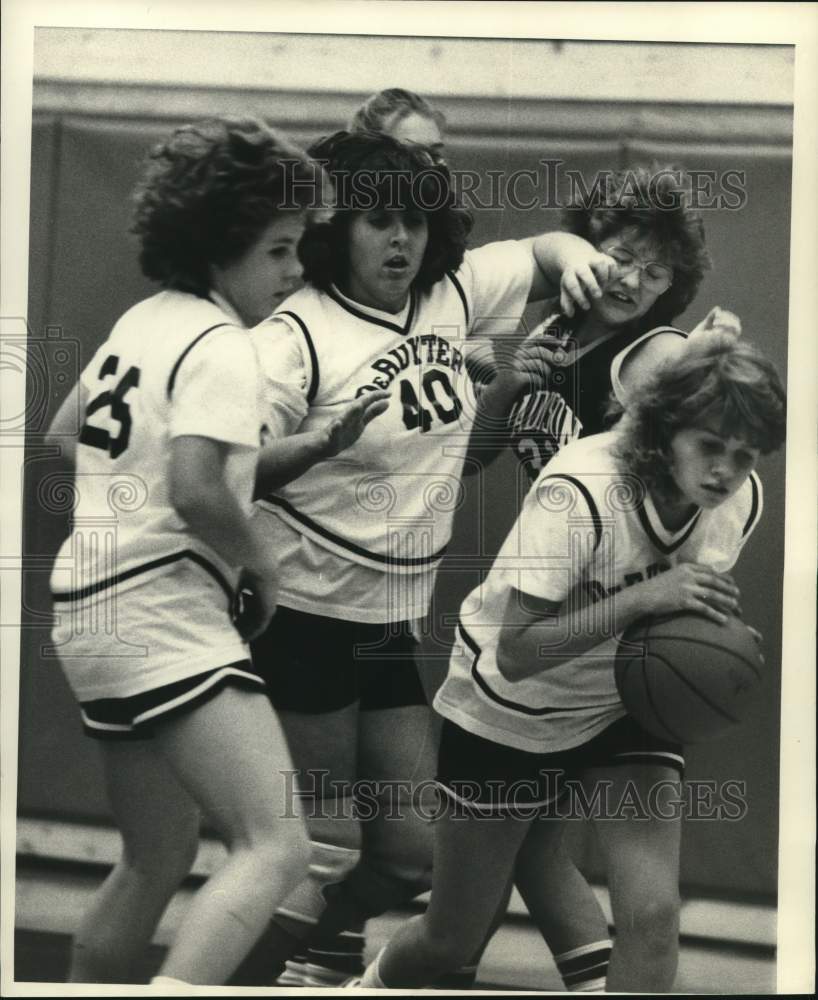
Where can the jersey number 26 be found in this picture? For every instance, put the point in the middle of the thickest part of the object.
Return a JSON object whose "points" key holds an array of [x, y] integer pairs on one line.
{"points": [[113, 399]]}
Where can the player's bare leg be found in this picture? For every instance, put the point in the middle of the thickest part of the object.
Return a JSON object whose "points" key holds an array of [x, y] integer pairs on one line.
{"points": [[642, 861], [232, 757], [563, 905], [159, 825], [396, 755], [324, 753], [473, 862]]}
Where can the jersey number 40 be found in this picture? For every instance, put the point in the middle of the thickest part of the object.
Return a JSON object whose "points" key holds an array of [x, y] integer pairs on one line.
{"points": [[415, 413]]}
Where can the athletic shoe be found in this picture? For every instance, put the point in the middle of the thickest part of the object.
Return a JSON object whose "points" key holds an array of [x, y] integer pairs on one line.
{"points": [[301, 974]]}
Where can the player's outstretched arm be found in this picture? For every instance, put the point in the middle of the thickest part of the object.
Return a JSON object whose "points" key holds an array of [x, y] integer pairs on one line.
{"points": [[285, 459]]}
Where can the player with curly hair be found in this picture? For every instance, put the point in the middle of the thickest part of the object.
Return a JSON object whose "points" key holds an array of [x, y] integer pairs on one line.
{"points": [[641, 218], [392, 302], [646, 519], [149, 633]]}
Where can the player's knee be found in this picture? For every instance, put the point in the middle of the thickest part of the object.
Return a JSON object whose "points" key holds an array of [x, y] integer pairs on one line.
{"points": [[282, 855], [653, 921]]}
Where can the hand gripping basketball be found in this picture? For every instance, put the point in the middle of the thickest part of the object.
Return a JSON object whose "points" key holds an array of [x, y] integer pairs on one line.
{"points": [[687, 678]]}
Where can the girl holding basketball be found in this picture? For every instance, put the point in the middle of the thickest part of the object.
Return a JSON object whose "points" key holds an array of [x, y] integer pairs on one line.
{"points": [[651, 524]]}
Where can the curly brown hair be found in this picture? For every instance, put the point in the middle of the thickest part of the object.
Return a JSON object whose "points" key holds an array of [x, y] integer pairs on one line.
{"points": [[717, 375], [210, 190], [651, 199], [371, 169]]}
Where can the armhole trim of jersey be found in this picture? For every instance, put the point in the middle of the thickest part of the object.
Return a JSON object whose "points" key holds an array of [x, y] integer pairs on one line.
{"points": [[112, 581], [583, 489], [184, 354], [755, 507], [622, 355], [460, 291], [312, 391]]}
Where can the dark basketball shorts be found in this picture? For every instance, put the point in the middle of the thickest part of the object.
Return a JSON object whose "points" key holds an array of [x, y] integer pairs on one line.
{"points": [[314, 664], [135, 717], [494, 779]]}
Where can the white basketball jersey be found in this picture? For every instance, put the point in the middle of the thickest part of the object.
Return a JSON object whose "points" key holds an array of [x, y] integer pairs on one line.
{"points": [[589, 530], [387, 502], [173, 365]]}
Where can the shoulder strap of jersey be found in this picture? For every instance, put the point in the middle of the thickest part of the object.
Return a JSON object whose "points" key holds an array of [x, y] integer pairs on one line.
{"points": [[756, 505], [461, 292], [586, 495], [175, 370], [312, 389]]}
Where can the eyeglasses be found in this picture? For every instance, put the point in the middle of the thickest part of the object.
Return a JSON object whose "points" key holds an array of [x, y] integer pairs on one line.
{"points": [[657, 277]]}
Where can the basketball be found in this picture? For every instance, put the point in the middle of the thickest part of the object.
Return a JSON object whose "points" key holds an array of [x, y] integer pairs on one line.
{"points": [[686, 678]]}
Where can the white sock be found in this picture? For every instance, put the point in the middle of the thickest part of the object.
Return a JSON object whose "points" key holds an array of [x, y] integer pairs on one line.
{"points": [[585, 969], [371, 979]]}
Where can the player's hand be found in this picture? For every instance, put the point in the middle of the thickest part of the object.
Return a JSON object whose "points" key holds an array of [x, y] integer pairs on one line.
{"points": [[526, 369], [718, 319], [255, 603], [693, 587], [349, 426], [584, 274]]}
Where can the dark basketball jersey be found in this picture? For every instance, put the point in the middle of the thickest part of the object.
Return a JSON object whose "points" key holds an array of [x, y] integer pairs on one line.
{"points": [[574, 401]]}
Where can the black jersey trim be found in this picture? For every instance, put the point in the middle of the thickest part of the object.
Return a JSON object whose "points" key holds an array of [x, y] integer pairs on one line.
{"points": [[112, 581], [312, 391], [583, 489], [455, 281], [184, 354], [360, 314], [490, 693], [754, 506], [344, 543], [656, 541]]}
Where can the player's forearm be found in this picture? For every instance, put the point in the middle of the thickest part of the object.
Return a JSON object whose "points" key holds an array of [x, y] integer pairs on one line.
{"points": [[490, 431], [552, 252], [285, 459], [212, 513], [550, 642]]}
